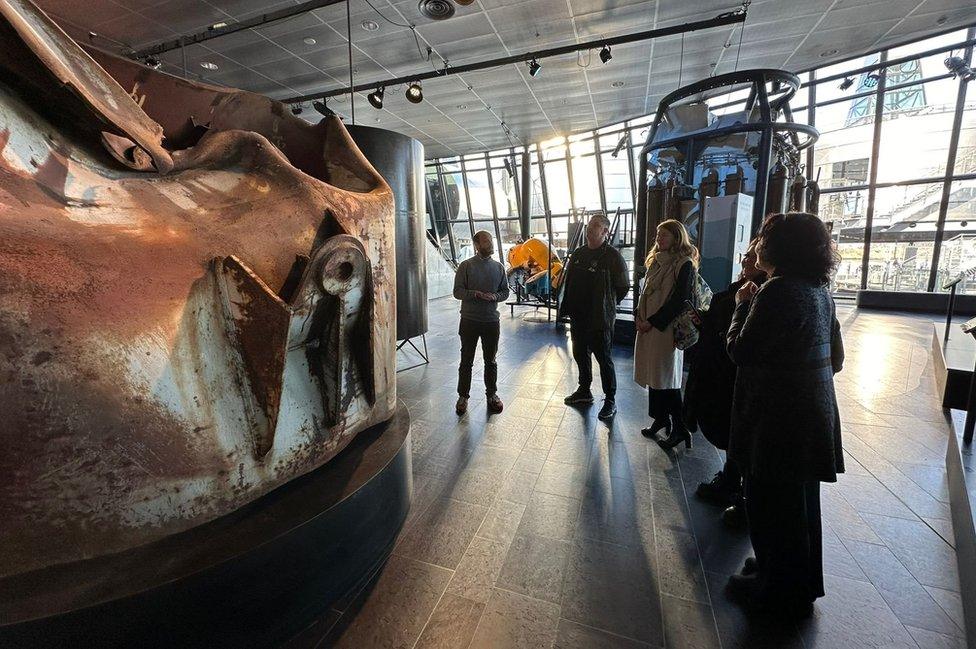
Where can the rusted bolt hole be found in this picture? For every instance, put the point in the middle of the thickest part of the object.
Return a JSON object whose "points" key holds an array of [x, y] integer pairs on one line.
{"points": [[344, 271]]}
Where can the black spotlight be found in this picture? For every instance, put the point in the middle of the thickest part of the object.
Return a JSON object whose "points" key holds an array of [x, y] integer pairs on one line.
{"points": [[846, 83], [376, 98], [959, 69], [414, 93], [872, 80], [534, 67], [296, 110], [323, 109], [605, 54], [153, 62]]}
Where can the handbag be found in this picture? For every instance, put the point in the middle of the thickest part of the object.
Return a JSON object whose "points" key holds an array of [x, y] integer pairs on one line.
{"points": [[686, 323]]}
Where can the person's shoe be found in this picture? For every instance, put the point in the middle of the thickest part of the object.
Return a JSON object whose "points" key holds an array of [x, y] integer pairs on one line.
{"points": [[778, 611], [742, 588], [608, 410], [581, 396], [749, 567], [717, 491], [495, 404], [461, 406], [656, 426], [734, 516], [677, 436]]}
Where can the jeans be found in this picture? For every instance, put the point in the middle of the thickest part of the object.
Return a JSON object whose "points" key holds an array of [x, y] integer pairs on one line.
{"points": [[470, 331], [598, 343]]}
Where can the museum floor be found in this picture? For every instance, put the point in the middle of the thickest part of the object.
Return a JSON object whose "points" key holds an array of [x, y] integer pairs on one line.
{"points": [[541, 527]]}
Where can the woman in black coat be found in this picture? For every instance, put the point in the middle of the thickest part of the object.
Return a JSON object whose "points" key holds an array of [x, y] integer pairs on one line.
{"points": [[785, 341], [708, 391]]}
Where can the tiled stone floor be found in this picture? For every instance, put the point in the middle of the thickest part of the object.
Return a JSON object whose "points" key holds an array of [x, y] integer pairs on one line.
{"points": [[542, 527]]}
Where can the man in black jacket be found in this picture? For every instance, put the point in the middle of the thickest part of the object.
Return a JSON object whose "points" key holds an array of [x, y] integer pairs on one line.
{"points": [[596, 281]]}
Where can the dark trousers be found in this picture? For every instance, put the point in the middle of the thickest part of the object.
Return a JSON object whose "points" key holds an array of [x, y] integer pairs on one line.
{"points": [[662, 404], [597, 343], [470, 331], [785, 528]]}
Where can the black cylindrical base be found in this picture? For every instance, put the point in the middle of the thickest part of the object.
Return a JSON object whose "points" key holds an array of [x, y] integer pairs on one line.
{"points": [[250, 579]]}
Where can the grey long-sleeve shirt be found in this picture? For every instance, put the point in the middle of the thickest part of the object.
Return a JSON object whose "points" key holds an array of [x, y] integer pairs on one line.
{"points": [[480, 274]]}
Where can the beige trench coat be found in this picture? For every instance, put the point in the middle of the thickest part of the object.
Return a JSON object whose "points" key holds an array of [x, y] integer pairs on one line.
{"points": [[657, 363]]}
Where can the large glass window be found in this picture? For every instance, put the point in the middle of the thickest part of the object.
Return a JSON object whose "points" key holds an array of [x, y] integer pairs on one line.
{"points": [[480, 191], [916, 123], [959, 240], [844, 213], [903, 237], [585, 178], [918, 111], [844, 147]]}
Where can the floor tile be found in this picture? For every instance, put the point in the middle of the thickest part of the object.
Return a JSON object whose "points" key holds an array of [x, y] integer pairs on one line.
{"points": [[571, 635], [853, 615], [392, 610], [689, 625], [550, 515], [600, 573], [443, 532], [534, 566], [514, 621], [452, 624], [475, 575]]}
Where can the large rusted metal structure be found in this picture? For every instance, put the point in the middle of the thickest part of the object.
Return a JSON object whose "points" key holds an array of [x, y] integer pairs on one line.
{"points": [[196, 298]]}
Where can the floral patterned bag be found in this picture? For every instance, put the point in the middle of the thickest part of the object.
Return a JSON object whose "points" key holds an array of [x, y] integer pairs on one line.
{"points": [[687, 323]]}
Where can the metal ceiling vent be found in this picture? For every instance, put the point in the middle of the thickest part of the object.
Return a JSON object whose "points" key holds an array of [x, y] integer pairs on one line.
{"points": [[436, 9]]}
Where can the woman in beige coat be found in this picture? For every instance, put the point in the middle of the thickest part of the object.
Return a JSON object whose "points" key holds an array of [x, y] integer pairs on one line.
{"points": [[671, 267]]}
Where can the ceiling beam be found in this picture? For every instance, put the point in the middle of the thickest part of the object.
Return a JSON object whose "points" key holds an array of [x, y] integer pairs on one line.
{"points": [[232, 28], [730, 18]]}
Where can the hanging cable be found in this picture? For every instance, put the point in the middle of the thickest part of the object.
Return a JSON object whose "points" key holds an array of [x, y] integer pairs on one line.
{"points": [[681, 61], [380, 14], [742, 31]]}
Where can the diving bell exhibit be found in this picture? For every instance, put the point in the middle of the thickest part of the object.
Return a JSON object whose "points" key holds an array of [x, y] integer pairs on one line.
{"points": [[720, 168]]}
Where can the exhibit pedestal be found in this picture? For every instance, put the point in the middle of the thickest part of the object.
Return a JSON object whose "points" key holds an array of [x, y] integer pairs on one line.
{"points": [[252, 578]]}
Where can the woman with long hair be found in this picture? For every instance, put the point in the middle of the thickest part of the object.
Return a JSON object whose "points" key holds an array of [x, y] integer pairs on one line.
{"points": [[786, 343], [671, 267]]}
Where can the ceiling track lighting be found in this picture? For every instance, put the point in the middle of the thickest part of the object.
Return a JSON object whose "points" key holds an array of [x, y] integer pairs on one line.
{"points": [[153, 62], [375, 98], [323, 109], [414, 93], [957, 66], [605, 54], [297, 109], [871, 80], [534, 67], [846, 83]]}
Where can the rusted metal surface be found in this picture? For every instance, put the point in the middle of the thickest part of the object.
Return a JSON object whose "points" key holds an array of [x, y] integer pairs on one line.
{"points": [[173, 345]]}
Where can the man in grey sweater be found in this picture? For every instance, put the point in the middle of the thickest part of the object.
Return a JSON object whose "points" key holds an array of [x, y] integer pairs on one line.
{"points": [[480, 283]]}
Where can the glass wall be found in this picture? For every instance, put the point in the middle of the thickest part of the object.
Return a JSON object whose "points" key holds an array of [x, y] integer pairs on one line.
{"points": [[901, 205]]}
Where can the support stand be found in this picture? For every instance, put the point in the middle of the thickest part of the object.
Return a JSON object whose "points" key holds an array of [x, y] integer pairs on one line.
{"points": [[423, 354], [951, 286], [967, 434]]}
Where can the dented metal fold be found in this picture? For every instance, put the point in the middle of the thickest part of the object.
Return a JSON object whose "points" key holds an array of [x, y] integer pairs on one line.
{"points": [[196, 297]]}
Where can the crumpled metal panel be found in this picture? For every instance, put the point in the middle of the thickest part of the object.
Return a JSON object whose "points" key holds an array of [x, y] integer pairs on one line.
{"points": [[173, 346]]}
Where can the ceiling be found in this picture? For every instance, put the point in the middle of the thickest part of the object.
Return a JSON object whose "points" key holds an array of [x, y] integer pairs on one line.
{"points": [[464, 113]]}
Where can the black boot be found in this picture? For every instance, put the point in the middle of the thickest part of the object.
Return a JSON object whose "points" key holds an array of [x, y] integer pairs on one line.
{"points": [[656, 426], [678, 434], [734, 516], [718, 491]]}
